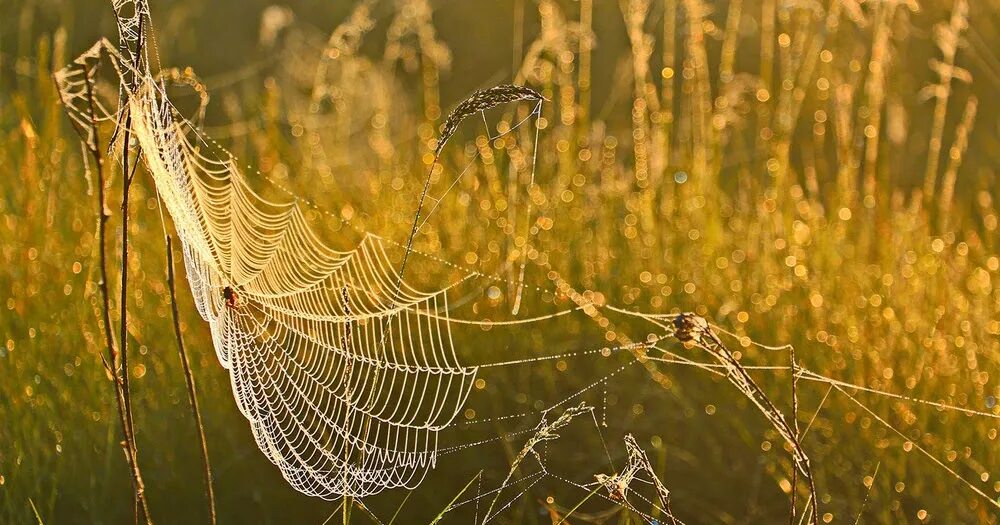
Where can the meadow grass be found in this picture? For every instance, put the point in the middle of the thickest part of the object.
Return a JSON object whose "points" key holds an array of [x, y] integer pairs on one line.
{"points": [[822, 174]]}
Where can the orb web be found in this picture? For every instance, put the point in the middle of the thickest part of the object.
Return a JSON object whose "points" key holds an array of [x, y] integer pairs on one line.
{"points": [[345, 372]]}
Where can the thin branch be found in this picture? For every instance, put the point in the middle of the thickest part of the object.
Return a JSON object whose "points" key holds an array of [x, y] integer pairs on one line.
{"points": [[123, 305], [795, 427], [111, 362], [189, 380]]}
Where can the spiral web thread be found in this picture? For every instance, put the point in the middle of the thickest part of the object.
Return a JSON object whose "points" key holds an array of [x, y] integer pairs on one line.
{"points": [[347, 373]]}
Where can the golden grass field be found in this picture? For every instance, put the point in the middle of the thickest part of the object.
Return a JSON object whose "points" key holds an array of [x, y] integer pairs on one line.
{"points": [[820, 173]]}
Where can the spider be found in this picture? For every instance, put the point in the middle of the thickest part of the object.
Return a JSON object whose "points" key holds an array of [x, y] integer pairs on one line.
{"points": [[229, 295], [617, 485], [690, 327]]}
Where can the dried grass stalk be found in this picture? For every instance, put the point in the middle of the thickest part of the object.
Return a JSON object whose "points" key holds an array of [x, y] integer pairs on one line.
{"points": [[482, 100], [694, 329], [638, 462], [546, 432]]}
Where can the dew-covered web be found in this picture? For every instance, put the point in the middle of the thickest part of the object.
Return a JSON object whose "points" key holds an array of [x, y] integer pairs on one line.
{"points": [[357, 376]]}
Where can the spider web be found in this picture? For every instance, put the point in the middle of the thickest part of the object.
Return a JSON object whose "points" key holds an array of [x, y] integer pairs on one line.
{"points": [[346, 371]]}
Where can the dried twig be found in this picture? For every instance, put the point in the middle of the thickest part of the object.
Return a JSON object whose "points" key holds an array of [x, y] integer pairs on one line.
{"points": [[90, 138], [795, 426], [189, 380], [127, 176]]}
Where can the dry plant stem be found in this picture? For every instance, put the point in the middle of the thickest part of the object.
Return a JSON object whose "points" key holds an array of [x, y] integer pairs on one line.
{"points": [[123, 333], [476, 103], [768, 13], [876, 87], [795, 427], [731, 38], [111, 364], [127, 175], [189, 380], [955, 155], [668, 74], [701, 109], [102, 216], [635, 12], [642, 458], [942, 92], [868, 494], [693, 329], [545, 432], [586, 44], [413, 233], [809, 61]]}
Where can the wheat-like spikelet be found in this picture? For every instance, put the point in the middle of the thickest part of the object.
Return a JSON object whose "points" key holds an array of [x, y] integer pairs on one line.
{"points": [[483, 100]]}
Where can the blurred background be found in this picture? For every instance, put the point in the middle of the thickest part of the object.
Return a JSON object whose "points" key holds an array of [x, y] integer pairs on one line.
{"points": [[815, 172]]}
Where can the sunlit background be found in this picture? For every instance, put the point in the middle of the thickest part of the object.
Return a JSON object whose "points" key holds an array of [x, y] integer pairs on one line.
{"points": [[815, 172]]}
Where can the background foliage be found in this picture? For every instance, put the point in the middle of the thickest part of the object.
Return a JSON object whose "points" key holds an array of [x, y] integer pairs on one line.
{"points": [[762, 163]]}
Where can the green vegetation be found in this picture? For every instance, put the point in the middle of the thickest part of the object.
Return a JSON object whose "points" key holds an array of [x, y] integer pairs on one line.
{"points": [[819, 173]]}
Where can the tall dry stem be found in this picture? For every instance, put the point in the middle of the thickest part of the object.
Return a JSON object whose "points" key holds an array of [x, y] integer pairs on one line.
{"points": [[878, 66], [730, 40], [586, 44], [955, 155], [635, 12], [189, 381], [768, 13], [668, 73], [128, 175], [701, 95], [92, 143], [947, 38]]}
